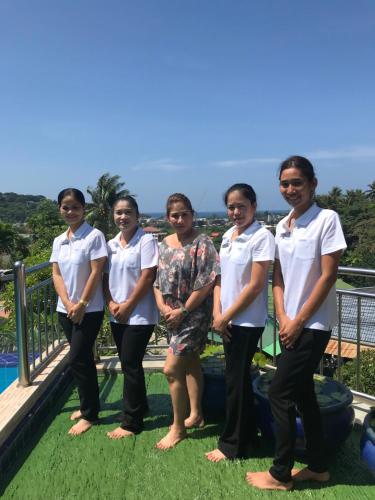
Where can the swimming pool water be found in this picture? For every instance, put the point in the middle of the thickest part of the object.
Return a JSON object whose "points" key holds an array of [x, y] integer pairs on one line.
{"points": [[7, 376], [8, 369]]}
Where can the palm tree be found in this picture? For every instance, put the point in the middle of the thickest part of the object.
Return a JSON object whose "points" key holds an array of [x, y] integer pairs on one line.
{"points": [[354, 196], [108, 188], [334, 198], [370, 193]]}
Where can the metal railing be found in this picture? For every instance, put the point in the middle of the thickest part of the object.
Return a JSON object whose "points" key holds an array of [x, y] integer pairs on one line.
{"points": [[39, 337], [37, 330]]}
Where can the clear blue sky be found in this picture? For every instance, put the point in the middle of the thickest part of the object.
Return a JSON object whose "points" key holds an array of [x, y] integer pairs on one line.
{"points": [[185, 95]]}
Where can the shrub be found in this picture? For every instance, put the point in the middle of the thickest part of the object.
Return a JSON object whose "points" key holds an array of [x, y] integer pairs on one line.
{"points": [[367, 372]]}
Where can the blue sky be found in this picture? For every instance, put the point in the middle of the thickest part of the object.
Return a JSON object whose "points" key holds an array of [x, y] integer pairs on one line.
{"points": [[187, 96]]}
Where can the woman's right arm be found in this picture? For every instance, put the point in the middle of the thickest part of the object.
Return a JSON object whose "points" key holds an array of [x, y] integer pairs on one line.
{"points": [[278, 291], [217, 324], [60, 287], [162, 306], [111, 304]]}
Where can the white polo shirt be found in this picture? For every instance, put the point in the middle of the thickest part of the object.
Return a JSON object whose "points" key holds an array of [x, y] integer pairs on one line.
{"points": [[317, 232], [73, 257], [255, 244], [124, 268]]}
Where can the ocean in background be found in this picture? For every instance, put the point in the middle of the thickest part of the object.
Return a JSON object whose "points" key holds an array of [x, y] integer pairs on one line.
{"points": [[219, 214]]}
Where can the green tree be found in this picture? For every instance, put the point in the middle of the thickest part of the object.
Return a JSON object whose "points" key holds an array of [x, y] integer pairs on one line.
{"points": [[108, 188], [11, 243], [370, 193], [45, 224]]}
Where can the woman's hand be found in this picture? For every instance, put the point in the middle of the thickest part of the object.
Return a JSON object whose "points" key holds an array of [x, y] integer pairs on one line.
{"points": [[174, 317], [123, 313], [68, 306], [220, 325], [76, 313], [289, 331], [113, 308], [166, 309]]}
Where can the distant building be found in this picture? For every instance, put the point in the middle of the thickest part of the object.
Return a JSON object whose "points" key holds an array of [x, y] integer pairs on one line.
{"points": [[156, 232]]}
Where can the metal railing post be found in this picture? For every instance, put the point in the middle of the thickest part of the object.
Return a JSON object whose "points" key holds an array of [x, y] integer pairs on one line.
{"points": [[21, 323], [358, 365]]}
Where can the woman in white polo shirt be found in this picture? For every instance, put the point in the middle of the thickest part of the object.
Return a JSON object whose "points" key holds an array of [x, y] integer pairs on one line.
{"points": [[309, 243], [240, 314], [78, 257], [132, 261]]}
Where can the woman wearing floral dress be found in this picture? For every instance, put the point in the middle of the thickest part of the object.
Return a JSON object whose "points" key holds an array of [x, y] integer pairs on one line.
{"points": [[188, 266]]}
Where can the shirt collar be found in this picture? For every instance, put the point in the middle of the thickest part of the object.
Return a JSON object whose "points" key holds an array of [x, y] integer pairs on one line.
{"points": [[303, 220], [133, 241], [308, 216], [247, 234], [80, 233]]}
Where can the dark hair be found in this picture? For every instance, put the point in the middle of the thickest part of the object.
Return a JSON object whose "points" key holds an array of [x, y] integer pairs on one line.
{"points": [[74, 193], [129, 199], [301, 163], [245, 189], [178, 197]]}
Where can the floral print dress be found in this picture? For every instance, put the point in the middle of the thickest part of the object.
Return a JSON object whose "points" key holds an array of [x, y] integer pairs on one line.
{"points": [[182, 271]]}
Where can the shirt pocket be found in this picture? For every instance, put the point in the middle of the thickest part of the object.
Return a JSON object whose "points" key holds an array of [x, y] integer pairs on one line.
{"points": [[240, 256], [305, 249], [132, 260], [78, 256]]}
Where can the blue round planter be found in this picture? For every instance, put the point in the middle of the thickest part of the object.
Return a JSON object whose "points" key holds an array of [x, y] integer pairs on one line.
{"points": [[214, 392], [367, 444], [334, 401]]}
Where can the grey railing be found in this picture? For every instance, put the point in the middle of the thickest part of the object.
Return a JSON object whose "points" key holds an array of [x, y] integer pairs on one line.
{"points": [[37, 330]]}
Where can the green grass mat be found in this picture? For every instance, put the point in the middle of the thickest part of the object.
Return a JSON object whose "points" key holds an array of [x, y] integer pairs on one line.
{"points": [[54, 465]]}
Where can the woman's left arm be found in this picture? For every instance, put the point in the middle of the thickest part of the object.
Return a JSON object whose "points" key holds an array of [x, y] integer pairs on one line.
{"points": [[77, 312], [143, 285], [175, 316], [293, 327], [258, 278]]}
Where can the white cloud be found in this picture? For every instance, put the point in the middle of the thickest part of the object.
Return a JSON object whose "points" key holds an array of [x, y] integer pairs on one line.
{"points": [[246, 162], [341, 154], [353, 153], [164, 164]]}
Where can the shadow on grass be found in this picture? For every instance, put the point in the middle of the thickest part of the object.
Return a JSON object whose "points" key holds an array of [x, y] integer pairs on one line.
{"points": [[345, 466]]}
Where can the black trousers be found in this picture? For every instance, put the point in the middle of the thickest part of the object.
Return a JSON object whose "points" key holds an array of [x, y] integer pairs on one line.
{"points": [[81, 359], [131, 342], [240, 425], [293, 386]]}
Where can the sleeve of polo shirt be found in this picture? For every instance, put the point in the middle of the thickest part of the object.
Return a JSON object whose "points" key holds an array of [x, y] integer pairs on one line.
{"points": [[149, 252], [332, 235], [207, 264], [98, 247], [55, 251], [106, 266], [264, 248], [277, 237]]}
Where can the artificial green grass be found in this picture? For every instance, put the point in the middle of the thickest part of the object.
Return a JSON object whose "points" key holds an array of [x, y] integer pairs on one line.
{"points": [[54, 465]]}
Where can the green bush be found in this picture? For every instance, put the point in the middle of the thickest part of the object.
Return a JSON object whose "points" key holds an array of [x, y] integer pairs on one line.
{"points": [[367, 373]]}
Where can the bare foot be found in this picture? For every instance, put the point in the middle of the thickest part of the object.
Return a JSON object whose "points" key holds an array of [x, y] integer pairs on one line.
{"points": [[171, 439], [80, 427], [215, 456], [119, 433], [194, 422], [264, 481], [76, 415], [306, 474]]}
